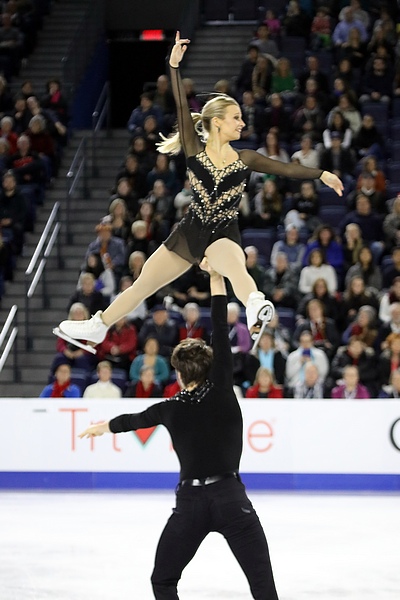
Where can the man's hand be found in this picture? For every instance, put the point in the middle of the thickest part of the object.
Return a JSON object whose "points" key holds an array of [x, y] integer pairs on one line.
{"points": [[95, 430]]}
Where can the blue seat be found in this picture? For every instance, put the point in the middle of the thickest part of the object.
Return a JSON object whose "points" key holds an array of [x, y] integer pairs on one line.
{"points": [[393, 172], [291, 45], [80, 377], [378, 110], [287, 317], [262, 239], [119, 377], [332, 215], [327, 196]]}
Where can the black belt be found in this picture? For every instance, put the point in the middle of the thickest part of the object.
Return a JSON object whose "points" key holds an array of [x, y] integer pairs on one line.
{"points": [[209, 480]]}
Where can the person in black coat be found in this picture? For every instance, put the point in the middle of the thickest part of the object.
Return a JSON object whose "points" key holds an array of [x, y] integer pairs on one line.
{"points": [[206, 428], [358, 354], [337, 159]]}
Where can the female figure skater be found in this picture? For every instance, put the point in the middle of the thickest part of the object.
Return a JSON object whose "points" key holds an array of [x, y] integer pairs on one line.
{"points": [[217, 174]]}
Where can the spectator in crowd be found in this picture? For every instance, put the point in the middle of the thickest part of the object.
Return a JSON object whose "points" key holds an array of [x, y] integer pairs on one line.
{"points": [[13, 213], [338, 159], [370, 165], [239, 339], [92, 299], [321, 29], [305, 207], [110, 248], [349, 21], [391, 326], [146, 158], [182, 200], [6, 101], [283, 80], [119, 347], [290, 246], [366, 184], [146, 386], [27, 166], [192, 286], [55, 101], [306, 156], [264, 43], [20, 115], [392, 269], [67, 352], [377, 84], [340, 125], [104, 387], [277, 119], [135, 184], [273, 23], [138, 314], [355, 296], [368, 220], [296, 21], [309, 120], [244, 80], [161, 327], [261, 79], [352, 244], [282, 335], [162, 172], [7, 132], [358, 13], [317, 269], [281, 283], [391, 229], [393, 389], [253, 266], [322, 328], [119, 220], [253, 117], [391, 296], [271, 149], [171, 389], [357, 354], [355, 49], [164, 99], [306, 352], [11, 47], [190, 89], [351, 389], [349, 111], [319, 292], [368, 139], [61, 387], [266, 355], [138, 115], [103, 275], [313, 70], [364, 326], [366, 268], [268, 206], [160, 198], [324, 239], [389, 359], [192, 327], [42, 143], [264, 386], [150, 358], [312, 388]]}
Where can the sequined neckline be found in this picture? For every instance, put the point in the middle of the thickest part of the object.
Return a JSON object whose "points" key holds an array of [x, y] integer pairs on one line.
{"points": [[211, 164], [194, 396]]}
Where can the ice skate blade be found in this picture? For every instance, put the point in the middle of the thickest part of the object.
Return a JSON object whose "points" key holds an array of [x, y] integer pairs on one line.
{"points": [[57, 331], [258, 335]]}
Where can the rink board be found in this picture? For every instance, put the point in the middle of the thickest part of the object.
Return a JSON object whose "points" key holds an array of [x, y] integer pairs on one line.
{"points": [[287, 444]]}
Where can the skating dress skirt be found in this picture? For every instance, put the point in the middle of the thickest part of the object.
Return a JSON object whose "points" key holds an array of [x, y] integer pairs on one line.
{"points": [[213, 212]]}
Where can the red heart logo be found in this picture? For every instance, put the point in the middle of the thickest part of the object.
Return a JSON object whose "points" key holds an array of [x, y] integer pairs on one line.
{"points": [[144, 434]]}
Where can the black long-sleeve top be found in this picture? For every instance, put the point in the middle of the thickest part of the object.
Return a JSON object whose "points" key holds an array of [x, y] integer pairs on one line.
{"points": [[206, 424]]}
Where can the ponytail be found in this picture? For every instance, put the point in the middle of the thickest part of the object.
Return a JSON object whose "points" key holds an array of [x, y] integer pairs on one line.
{"points": [[172, 143]]}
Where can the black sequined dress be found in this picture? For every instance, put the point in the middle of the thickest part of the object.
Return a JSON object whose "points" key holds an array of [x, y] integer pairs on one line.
{"points": [[213, 212]]}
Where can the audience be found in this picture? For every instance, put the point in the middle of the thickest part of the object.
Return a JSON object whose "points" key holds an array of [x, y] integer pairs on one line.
{"points": [[61, 387], [104, 387]]}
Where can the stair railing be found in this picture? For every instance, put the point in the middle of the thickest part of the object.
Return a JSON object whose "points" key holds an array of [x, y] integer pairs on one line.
{"points": [[76, 174], [101, 115], [36, 269], [10, 327], [82, 45]]}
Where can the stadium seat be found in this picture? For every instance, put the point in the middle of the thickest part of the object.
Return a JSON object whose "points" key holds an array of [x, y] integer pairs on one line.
{"points": [[262, 239], [327, 197], [287, 318], [393, 172], [80, 377], [332, 215]]}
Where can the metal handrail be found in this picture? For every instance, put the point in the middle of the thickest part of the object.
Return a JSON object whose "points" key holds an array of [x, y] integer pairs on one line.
{"points": [[11, 342], [76, 172], [101, 114], [37, 264]]}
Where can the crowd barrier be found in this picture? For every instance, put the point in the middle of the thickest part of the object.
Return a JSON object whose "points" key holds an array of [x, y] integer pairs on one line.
{"points": [[287, 445]]}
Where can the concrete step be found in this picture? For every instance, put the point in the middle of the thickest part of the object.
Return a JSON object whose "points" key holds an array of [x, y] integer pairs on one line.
{"points": [[21, 390]]}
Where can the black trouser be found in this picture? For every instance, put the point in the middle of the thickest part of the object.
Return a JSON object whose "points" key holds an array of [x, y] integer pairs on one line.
{"points": [[223, 507]]}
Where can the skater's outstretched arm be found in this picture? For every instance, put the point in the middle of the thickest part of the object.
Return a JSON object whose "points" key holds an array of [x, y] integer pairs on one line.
{"points": [[262, 164], [189, 138]]}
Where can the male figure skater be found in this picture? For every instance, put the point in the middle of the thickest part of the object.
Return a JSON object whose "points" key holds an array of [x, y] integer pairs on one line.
{"points": [[205, 424]]}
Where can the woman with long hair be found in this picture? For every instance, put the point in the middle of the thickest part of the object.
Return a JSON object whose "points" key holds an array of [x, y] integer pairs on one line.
{"points": [[210, 229]]}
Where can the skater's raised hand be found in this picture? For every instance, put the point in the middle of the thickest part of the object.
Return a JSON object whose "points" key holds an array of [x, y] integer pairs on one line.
{"points": [[178, 50], [95, 430], [332, 181]]}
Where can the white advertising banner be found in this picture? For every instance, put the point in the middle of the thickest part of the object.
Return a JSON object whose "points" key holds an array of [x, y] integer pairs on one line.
{"points": [[279, 436]]}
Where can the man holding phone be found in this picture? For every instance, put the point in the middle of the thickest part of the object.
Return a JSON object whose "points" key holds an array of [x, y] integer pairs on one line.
{"points": [[306, 352]]}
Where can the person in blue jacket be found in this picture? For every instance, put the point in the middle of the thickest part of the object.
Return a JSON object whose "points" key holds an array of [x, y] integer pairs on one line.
{"points": [[61, 386]]}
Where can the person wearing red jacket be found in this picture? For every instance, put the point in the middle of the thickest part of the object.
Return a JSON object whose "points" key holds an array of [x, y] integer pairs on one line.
{"points": [[120, 344], [264, 386]]}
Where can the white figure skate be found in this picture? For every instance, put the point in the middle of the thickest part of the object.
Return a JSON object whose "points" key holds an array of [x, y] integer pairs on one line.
{"points": [[57, 331], [259, 313], [93, 330]]}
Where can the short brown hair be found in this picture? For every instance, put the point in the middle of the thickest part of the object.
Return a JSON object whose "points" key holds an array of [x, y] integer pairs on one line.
{"points": [[192, 358]]}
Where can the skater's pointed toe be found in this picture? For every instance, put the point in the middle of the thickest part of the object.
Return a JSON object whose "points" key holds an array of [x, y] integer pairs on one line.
{"points": [[92, 330]]}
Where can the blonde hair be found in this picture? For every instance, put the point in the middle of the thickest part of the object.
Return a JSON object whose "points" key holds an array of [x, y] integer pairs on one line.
{"points": [[216, 107]]}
